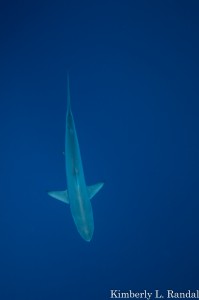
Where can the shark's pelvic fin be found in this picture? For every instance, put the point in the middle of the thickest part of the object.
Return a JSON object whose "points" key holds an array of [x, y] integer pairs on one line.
{"points": [[60, 195], [94, 189]]}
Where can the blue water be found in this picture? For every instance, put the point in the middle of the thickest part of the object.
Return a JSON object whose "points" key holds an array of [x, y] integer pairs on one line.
{"points": [[135, 99]]}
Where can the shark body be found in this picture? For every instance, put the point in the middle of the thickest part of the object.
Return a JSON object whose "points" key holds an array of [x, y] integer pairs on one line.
{"points": [[78, 194]]}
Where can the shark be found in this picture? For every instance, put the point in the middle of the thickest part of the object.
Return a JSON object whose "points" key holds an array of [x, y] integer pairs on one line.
{"points": [[78, 195]]}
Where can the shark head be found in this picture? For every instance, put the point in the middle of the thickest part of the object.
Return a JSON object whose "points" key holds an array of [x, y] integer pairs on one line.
{"points": [[86, 233]]}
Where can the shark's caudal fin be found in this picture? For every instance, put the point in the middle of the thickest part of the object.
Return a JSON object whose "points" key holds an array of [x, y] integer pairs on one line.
{"points": [[68, 94], [60, 195], [94, 189]]}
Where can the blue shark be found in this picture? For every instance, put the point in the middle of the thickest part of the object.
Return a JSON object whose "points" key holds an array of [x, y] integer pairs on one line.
{"points": [[77, 194]]}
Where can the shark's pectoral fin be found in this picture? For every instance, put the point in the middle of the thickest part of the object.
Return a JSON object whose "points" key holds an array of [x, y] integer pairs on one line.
{"points": [[94, 189], [60, 195]]}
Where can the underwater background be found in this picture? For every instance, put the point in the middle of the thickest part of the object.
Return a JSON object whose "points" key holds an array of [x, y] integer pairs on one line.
{"points": [[134, 81]]}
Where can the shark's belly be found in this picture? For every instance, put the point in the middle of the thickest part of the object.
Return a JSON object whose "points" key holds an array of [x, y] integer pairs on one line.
{"points": [[82, 213], [80, 205]]}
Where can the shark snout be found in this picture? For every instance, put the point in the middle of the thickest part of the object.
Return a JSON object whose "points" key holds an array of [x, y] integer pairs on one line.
{"points": [[87, 234]]}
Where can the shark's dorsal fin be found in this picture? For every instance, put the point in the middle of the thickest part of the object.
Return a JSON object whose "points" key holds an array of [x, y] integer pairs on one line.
{"points": [[60, 195], [94, 189]]}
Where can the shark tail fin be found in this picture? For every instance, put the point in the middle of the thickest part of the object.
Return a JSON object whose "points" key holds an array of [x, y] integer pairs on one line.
{"points": [[60, 195], [68, 94], [94, 189]]}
